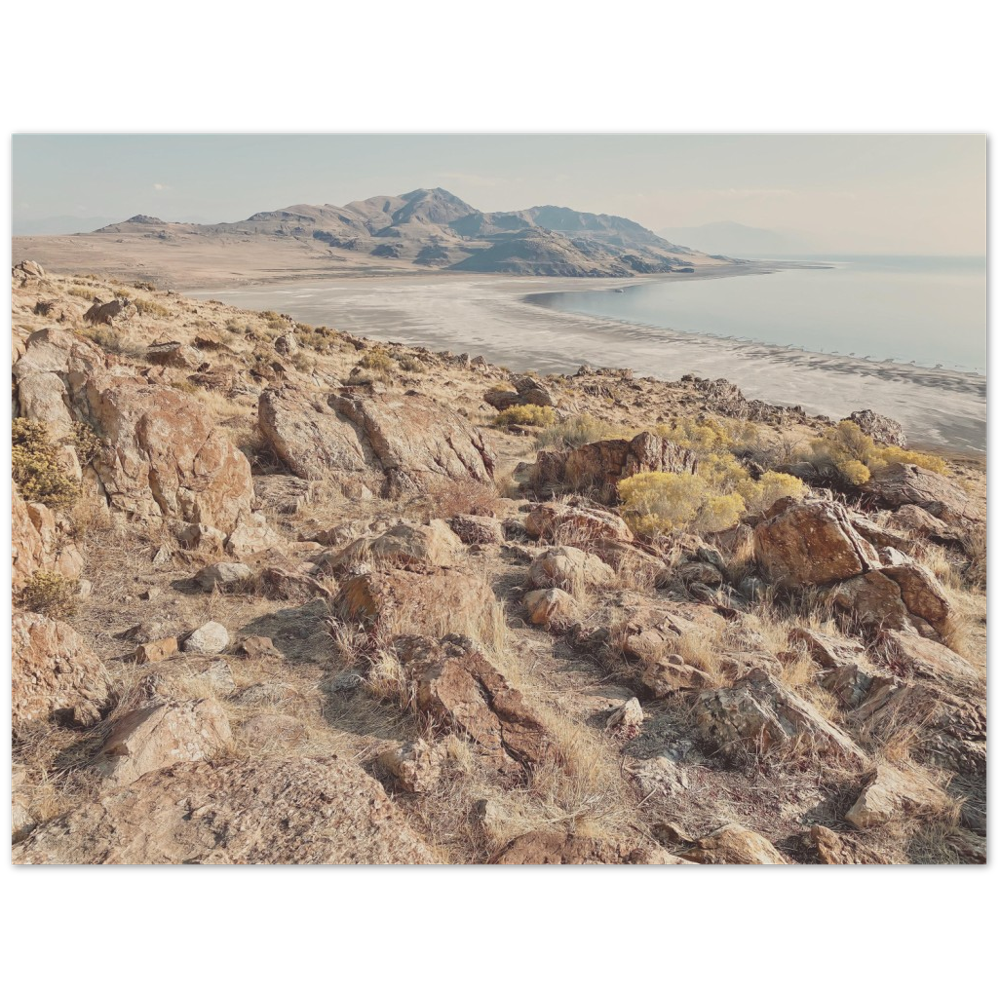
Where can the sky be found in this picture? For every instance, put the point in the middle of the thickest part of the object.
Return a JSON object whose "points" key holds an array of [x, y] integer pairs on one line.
{"points": [[920, 194]]}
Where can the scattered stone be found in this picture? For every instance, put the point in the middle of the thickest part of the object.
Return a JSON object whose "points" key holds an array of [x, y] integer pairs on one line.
{"points": [[222, 575], [156, 650], [625, 722], [209, 638], [734, 844]]}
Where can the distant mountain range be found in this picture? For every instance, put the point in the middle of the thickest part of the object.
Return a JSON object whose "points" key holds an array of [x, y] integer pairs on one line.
{"points": [[433, 228], [738, 240]]}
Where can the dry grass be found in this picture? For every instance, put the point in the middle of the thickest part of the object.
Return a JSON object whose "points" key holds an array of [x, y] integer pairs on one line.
{"points": [[452, 497]]}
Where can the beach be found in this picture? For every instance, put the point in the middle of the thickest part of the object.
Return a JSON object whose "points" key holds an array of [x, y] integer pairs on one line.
{"points": [[497, 317]]}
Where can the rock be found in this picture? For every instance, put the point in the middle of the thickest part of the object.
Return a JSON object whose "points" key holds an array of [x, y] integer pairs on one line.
{"points": [[222, 575], [286, 344], [891, 792], [27, 269], [671, 674], [283, 494], [625, 722], [411, 546], [557, 847], [757, 713], [254, 646], [463, 692], [282, 586], [801, 544], [156, 650], [552, 609], [273, 731], [477, 530], [251, 535], [400, 438], [882, 430], [846, 670], [734, 844], [527, 392], [174, 355], [40, 542], [837, 849], [575, 525], [56, 676], [415, 767], [918, 523], [209, 638], [165, 456], [393, 601], [899, 484], [910, 655], [881, 537], [270, 811], [202, 538], [921, 593], [158, 735], [110, 313], [569, 569]]}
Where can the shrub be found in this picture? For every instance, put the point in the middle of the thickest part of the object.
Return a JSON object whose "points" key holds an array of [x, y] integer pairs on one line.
{"points": [[86, 442], [579, 430], [855, 455], [49, 594], [656, 503], [414, 365], [377, 359], [147, 307], [528, 414], [35, 467], [760, 495]]}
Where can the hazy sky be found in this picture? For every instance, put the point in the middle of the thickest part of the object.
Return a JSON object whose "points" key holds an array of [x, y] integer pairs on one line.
{"points": [[877, 193]]}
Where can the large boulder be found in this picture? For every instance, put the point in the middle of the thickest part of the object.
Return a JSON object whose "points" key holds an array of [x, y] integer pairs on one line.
{"points": [[41, 541], [463, 692], [578, 526], [157, 735], [758, 713], [401, 439], [811, 543], [56, 676], [271, 811], [406, 545], [165, 456], [899, 484]]}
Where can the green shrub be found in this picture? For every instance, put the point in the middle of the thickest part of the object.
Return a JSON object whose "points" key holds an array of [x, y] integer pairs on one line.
{"points": [[759, 495], [35, 468], [528, 415], [657, 503], [49, 594]]}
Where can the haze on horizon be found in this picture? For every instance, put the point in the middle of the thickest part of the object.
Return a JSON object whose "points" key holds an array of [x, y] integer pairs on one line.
{"points": [[895, 194]]}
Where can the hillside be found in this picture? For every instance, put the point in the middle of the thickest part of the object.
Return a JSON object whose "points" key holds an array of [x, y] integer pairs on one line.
{"points": [[422, 229], [283, 595]]}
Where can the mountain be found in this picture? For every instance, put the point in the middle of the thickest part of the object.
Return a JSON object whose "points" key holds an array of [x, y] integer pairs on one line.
{"points": [[738, 240], [435, 229], [58, 225]]}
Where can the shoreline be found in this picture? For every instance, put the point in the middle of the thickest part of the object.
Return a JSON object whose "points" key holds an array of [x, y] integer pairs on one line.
{"points": [[490, 315]]}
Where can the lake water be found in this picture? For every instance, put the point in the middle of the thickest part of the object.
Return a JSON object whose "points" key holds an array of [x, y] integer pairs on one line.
{"points": [[927, 311]]}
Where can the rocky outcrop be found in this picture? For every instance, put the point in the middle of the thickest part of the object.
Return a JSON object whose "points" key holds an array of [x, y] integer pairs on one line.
{"points": [[734, 844], [899, 484], [881, 429], [892, 792], [41, 541], [165, 456], [401, 439], [802, 544], [302, 811], [757, 713], [56, 676], [463, 692], [157, 735]]}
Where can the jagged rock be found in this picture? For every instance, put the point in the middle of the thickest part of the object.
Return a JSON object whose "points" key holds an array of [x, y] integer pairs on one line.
{"points": [[882, 430], [155, 650], [552, 608], [406, 545], [415, 767], [165, 456], [477, 530], [174, 355], [221, 575], [283, 494], [41, 541], [891, 792], [811, 543], [568, 569], [272, 730], [257, 645], [912, 655], [400, 438], [846, 670], [56, 677], [557, 847], [252, 534], [110, 313], [670, 674], [575, 525], [209, 638], [299, 811], [758, 713], [837, 849], [734, 844], [27, 269], [625, 722], [898, 485], [158, 735], [392, 601], [463, 692]]}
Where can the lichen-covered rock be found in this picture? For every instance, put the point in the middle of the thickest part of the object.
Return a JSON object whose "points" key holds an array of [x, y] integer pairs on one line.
{"points": [[271, 811], [802, 544], [56, 676], [575, 525], [157, 735], [734, 844]]}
